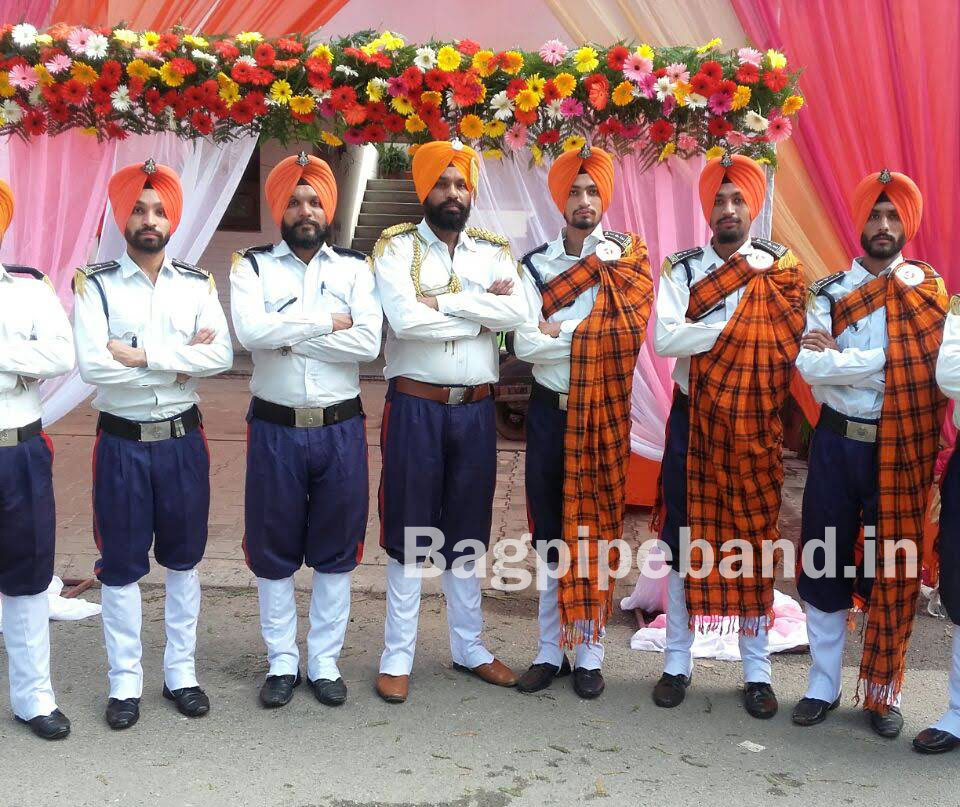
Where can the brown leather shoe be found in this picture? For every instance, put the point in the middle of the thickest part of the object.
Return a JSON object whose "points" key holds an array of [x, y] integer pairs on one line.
{"points": [[496, 673], [393, 688]]}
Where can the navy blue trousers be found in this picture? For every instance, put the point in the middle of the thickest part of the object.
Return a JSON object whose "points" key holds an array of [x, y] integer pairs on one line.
{"points": [[27, 517], [949, 541], [307, 497], [543, 475], [439, 471], [147, 491], [841, 492], [673, 477]]}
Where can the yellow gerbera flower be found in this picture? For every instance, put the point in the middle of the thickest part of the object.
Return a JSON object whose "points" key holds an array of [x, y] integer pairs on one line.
{"points": [[414, 124], [84, 73], [322, 52], [585, 59], [6, 90], [391, 41], [471, 126], [171, 77], [230, 93], [763, 160], [777, 59], [622, 93], [574, 143], [494, 128], [431, 97], [716, 151], [125, 36], [138, 68], [741, 97], [302, 104], [149, 39], [716, 42], [196, 41], [792, 105], [43, 75], [527, 100], [645, 52], [668, 151], [330, 139], [513, 62], [493, 154], [281, 92], [448, 58], [402, 105], [44, 39], [537, 153], [249, 38], [536, 83], [565, 84], [374, 90], [481, 62]]}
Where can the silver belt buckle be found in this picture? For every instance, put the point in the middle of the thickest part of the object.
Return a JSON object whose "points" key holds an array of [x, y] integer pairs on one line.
{"points": [[863, 432], [456, 395], [308, 418], [154, 432], [562, 398], [178, 429], [9, 438]]}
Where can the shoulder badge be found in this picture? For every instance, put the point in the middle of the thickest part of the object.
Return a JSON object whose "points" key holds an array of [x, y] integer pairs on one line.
{"points": [[678, 258], [819, 285], [91, 270], [777, 250], [391, 232], [249, 252], [350, 253], [622, 240], [196, 270], [955, 305]]}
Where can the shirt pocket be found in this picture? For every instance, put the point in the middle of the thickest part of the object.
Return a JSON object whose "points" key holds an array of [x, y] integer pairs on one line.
{"points": [[124, 328], [183, 321]]}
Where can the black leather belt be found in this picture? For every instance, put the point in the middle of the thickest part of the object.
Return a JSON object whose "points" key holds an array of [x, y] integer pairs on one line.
{"points": [[306, 418], [555, 400], [864, 431], [11, 437], [151, 431]]}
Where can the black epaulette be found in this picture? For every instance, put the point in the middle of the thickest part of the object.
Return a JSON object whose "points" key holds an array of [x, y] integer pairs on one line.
{"points": [[90, 271], [622, 240], [24, 270], [819, 286], [681, 259], [527, 261], [349, 253], [775, 249], [189, 267], [250, 254]]}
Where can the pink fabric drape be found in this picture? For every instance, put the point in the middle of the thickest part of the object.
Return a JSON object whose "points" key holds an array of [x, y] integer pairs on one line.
{"points": [[33, 11], [878, 79], [60, 190]]}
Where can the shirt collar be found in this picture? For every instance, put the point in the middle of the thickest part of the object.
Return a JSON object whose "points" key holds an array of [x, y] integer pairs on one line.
{"points": [[282, 249], [710, 254], [556, 249], [430, 237], [4, 274], [129, 267], [856, 266]]}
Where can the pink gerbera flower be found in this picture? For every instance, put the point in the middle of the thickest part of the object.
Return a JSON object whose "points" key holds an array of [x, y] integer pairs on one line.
{"points": [[552, 52], [396, 86], [669, 104], [750, 56], [687, 142], [571, 108], [636, 68], [23, 77], [148, 54], [678, 72], [647, 85], [516, 136], [78, 39], [779, 129], [719, 103], [735, 139], [58, 64]]}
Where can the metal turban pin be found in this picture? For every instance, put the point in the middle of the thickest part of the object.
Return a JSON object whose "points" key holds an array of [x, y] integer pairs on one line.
{"points": [[149, 166]]}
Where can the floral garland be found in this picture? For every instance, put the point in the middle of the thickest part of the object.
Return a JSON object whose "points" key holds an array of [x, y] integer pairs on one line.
{"points": [[659, 103]]}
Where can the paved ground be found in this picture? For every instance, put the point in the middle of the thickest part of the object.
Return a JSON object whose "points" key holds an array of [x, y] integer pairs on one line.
{"points": [[457, 741]]}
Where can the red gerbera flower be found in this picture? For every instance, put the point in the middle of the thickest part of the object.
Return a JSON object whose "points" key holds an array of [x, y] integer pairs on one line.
{"points": [[429, 114], [526, 118], [58, 111], [202, 122], [259, 103], [34, 122], [748, 74], [183, 66], [712, 70], [195, 97], [703, 85], [548, 137], [467, 47], [355, 53], [262, 77], [167, 43], [550, 92], [440, 130], [242, 112], [435, 79], [111, 71], [376, 111], [135, 86], [73, 92], [597, 90], [290, 46], [285, 64], [381, 60], [317, 65], [719, 127], [412, 78], [616, 57], [320, 81], [660, 72], [242, 73], [226, 50], [115, 131], [661, 131], [100, 90], [51, 92], [303, 117], [374, 133], [393, 123], [354, 114], [517, 86], [776, 80], [467, 89], [342, 97], [727, 87], [217, 107], [353, 136], [610, 127], [265, 55]]}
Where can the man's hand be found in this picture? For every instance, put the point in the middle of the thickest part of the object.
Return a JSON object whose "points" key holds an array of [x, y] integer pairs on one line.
{"points": [[501, 287], [550, 329], [341, 321], [430, 302], [818, 340], [126, 355], [204, 336]]}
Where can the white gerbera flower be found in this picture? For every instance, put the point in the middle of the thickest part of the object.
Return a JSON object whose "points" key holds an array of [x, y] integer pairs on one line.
{"points": [[96, 47], [200, 56], [35, 97], [347, 71], [502, 105], [120, 98], [247, 60], [24, 35], [696, 101], [554, 107], [11, 111], [425, 58], [755, 121], [664, 88]]}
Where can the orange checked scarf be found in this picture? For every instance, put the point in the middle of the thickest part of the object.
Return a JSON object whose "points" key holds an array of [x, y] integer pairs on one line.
{"points": [[734, 460], [907, 444], [597, 440]]}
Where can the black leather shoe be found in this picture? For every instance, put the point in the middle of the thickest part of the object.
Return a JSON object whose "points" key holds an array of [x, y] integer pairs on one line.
{"points": [[671, 690], [121, 714], [935, 741], [810, 711], [760, 701], [588, 683], [889, 725], [331, 693], [191, 701], [54, 726], [540, 676], [277, 690]]}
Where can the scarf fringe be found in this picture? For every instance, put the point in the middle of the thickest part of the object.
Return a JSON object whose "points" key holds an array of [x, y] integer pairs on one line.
{"points": [[878, 697], [584, 631], [724, 625]]}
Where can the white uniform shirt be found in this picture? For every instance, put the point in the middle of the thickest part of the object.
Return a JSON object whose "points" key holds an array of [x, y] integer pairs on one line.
{"points": [[948, 362], [35, 343], [163, 318], [550, 355], [283, 317], [456, 345], [672, 334], [849, 380]]}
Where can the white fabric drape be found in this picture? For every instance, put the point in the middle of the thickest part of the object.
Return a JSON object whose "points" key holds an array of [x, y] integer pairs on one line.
{"points": [[209, 173]]}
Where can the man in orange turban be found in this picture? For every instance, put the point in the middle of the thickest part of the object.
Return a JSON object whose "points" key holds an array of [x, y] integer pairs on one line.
{"points": [[6, 207], [731, 312], [146, 327], [589, 293], [431, 160], [301, 170], [883, 313]]}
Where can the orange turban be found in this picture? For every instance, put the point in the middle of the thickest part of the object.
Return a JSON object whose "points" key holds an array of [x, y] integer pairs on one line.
{"points": [[6, 207], [431, 159], [743, 172], [596, 162], [127, 184], [287, 174], [900, 189]]}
